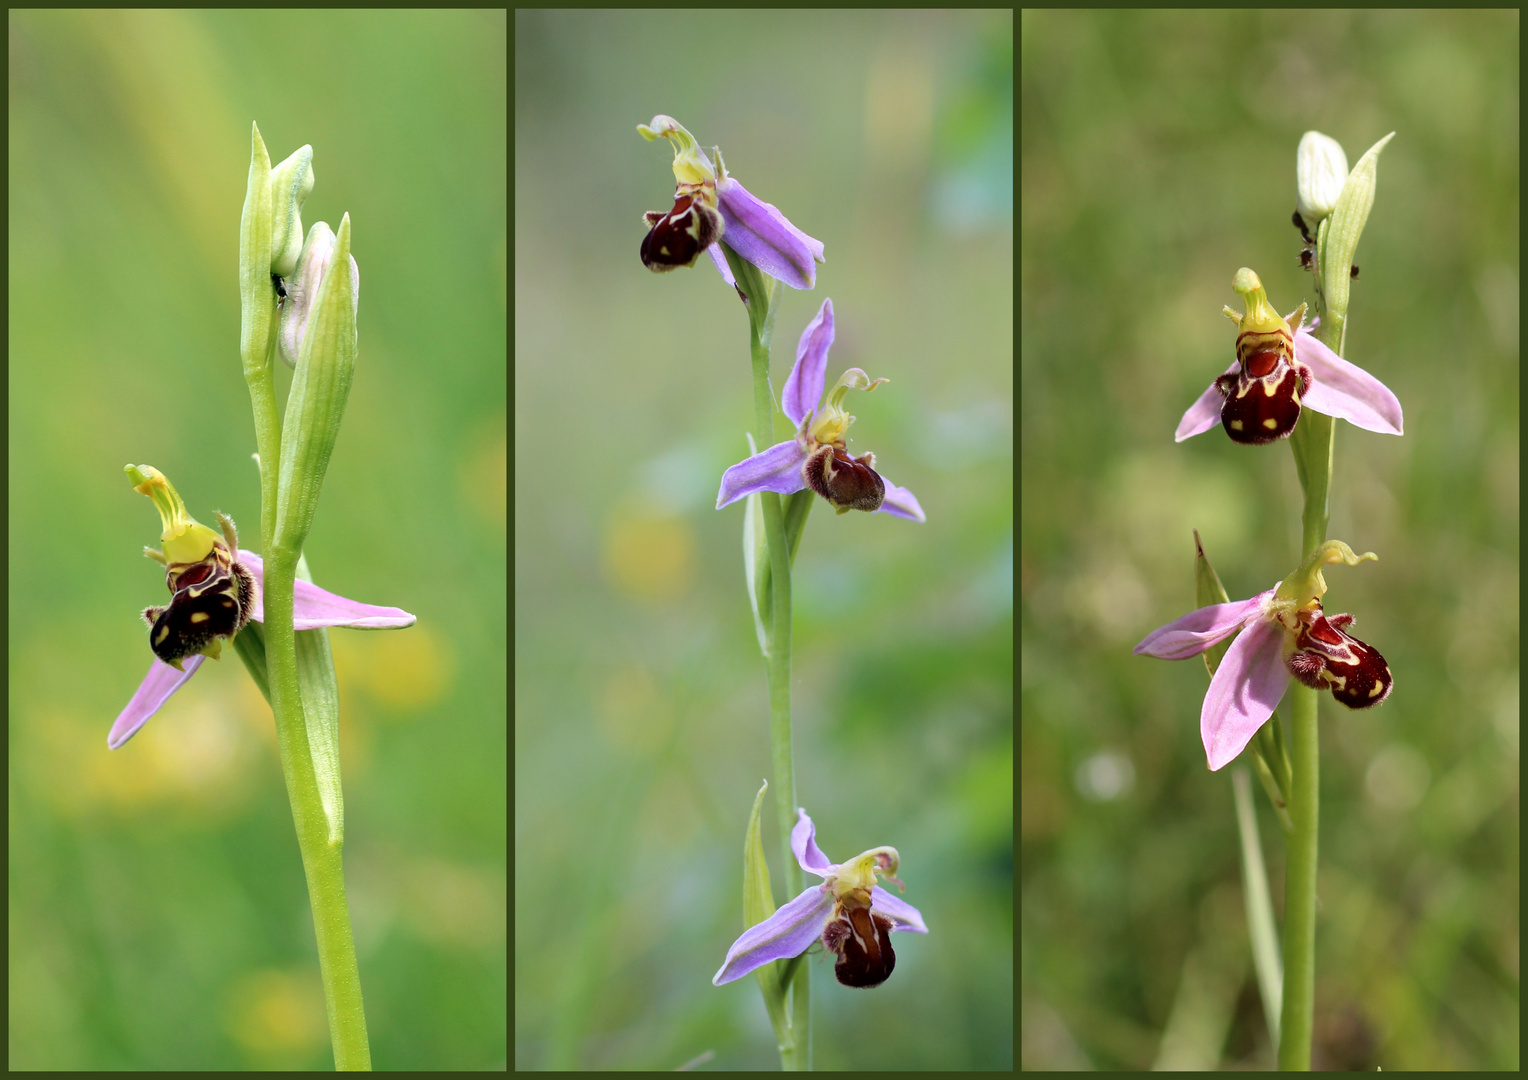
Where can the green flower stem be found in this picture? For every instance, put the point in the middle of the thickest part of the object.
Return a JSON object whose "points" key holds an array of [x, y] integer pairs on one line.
{"points": [[1300, 885], [1313, 443], [321, 859], [1313, 461], [798, 1057], [761, 295]]}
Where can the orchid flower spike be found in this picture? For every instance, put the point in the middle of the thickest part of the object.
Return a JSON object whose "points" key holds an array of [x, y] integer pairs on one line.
{"points": [[1279, 368], [818, 457], [1284, 635], [215, 591], [849, 913], [709, 206]]}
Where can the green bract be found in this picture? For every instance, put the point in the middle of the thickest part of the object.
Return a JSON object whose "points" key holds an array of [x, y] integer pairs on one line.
{"points": [[256, 297], [321, 384], [759, 905], [321, 713], [1339, 238], [1208, 590]]}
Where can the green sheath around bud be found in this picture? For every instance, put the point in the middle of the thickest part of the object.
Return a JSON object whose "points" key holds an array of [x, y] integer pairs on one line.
{"points": [[291, 184], [323, 306], [1340, 242]]}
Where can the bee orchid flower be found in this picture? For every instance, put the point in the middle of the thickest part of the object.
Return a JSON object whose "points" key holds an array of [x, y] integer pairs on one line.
{"points": [[818, 457], [1281, 367], [216, 589], [1283, 634], [711, 206], [849, 913]]}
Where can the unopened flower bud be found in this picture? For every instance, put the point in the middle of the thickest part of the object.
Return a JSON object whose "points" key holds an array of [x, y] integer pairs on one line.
{"points": [[318, 336], [302, 289], [1321, 168]]}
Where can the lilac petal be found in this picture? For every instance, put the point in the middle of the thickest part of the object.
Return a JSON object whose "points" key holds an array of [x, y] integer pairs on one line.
{"points": [[313, 608], [1199, 629], [762, 235], [804, 844], [155, 689], [715, 251], [903, 914], [777, 469], [1244, 692], [900, 502], [1204, 413], [788, 932], [803, 387], [1346, 390]]}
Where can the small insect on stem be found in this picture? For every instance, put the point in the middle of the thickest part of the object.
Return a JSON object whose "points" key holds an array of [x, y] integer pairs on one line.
{"points": [[1308, 252], [1299, 223], [1353, 270], [280, 285]]}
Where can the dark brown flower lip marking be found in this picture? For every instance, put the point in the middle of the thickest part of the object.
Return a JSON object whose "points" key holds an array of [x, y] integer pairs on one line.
{"points": [[849, 483], [678, 237], [1326, 656], [862, 940], [1263, 395]]}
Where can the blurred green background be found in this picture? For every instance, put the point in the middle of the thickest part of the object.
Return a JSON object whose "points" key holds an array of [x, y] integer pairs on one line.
{"points": [[1158, 157], [641, 711], [158, 914]]}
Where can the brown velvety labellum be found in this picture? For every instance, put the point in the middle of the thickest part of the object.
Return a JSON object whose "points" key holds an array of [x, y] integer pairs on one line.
{"points": [[216, 604], [678, 237], [1260, 410], [848, 483], [865, 956], [1327, 657]]}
